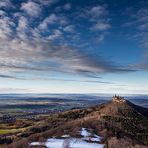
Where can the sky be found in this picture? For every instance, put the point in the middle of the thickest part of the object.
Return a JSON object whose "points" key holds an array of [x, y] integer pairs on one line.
{"points": [[74, 46]]}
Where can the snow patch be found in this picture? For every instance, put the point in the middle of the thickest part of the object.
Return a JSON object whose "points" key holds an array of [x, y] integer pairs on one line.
{"points": [[91, 139], [36, 144], [73, 143], [65, 136], [85, 133], [88, 140], [89, 136]]}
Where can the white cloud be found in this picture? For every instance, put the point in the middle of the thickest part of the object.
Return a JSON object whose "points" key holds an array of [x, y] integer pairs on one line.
{"points": [[143, 26], [46, 2], [139, 24], [2, 13], [69, 28], [22, 27], [100, 26], [97, 12], [23, 46], [98, 21], [98, 15], [22, 23], [5, 3], [16, 90], [21, 55], [31, 8], [53, 19], [100, 38], [6, 25], [56, 34], [48, 20], [67, 6]]}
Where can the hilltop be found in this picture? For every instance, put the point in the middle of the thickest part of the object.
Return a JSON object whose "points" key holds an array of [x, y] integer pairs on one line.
{"points": [[119, 122]]}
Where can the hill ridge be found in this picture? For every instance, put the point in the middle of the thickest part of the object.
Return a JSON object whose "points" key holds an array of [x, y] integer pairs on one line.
{"points": [[117, 121]]}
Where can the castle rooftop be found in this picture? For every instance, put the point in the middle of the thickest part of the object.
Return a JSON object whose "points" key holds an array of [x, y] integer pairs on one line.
{"points": [[118, 99]]}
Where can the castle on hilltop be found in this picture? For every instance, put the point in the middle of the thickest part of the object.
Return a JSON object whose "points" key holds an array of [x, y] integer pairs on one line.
{"points": [[118, 99]]}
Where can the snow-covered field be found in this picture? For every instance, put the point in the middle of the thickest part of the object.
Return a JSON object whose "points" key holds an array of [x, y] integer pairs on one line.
{"points": [[69, 142]]}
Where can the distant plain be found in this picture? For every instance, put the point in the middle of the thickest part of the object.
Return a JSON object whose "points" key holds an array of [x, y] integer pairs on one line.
{"points": [[26, 103]]}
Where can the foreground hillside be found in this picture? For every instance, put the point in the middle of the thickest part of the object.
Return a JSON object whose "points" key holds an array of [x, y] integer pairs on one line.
{"points": [[118, 123]]}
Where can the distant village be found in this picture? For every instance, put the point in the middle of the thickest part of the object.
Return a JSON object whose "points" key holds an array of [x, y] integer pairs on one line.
{"points": [[33, 115]]}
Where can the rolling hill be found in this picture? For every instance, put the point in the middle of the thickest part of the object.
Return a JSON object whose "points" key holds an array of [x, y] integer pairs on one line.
{"points": [[118, 122]]}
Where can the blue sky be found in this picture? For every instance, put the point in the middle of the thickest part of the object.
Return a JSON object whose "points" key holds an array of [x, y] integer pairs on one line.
{"points": [[74, 46]]}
